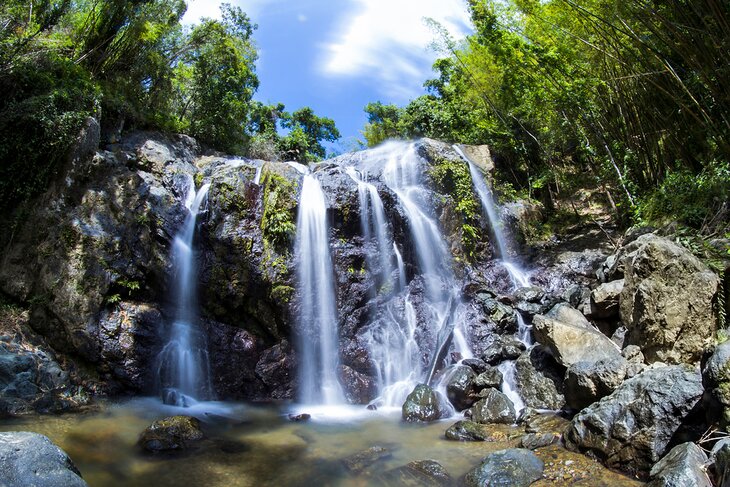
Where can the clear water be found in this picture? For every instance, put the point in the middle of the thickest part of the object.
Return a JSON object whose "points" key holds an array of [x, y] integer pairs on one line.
{"points": [[258, 446]]}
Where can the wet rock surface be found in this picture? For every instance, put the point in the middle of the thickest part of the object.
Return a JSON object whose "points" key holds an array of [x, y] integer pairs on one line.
{"points": [[424, 405], [427, 473], [587, 382], [494, 407], [30, 459], [362, 460], [466, 431]]}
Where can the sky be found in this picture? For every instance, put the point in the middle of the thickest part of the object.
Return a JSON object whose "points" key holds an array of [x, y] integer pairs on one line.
{"points": [[336, 56]]}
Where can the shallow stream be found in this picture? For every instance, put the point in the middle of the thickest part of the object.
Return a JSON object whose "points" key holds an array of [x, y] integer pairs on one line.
{"points": [[251, 445]]}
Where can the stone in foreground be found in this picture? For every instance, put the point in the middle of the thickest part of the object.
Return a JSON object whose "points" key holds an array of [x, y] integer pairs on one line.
{"points": [[30, 459], [495, 407], [515, 467], [465, 431]]}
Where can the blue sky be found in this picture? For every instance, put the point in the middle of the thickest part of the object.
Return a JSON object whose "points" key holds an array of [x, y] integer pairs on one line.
{"points": [[336, 56]]}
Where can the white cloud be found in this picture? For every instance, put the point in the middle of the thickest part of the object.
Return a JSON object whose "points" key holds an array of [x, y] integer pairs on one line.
{"points": [[211, 8], [302, 18], [388, 42]]}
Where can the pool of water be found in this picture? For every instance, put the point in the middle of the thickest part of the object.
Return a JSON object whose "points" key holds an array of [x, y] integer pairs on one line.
{"points": [[249, 445]]}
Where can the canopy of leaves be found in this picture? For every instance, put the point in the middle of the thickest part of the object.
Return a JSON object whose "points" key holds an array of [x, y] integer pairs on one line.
{"points": [[627, 96]]}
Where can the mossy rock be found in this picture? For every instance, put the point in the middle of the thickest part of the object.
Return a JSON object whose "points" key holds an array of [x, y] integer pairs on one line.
{"points": [[172, 433]]}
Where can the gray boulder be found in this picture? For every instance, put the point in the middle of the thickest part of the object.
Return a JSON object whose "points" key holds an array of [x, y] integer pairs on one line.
{"points": [[682, 466], [424, 405], [495, 407], [716, 379], [570, 337], [515, 467], [722, 466], [587, 382], [605, 299], [631, 428], [539, 379], [30, 459], [666, 303]]}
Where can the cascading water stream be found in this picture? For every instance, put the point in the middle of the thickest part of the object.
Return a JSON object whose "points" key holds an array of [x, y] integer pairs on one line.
{"points": [[318, 336], [183, 371], [519, 277]]}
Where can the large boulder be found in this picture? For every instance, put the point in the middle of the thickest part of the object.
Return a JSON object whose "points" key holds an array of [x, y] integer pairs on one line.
{"points": [[30, 459], [570, 337], [515, 467], [683, 465], [666, 303], [587, 382], [424, 405], [494, 407], [716, 379], [631, 428]]}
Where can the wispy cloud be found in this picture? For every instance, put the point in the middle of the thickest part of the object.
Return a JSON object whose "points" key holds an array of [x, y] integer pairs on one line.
{"points": [[198, 9], [388, 41]]}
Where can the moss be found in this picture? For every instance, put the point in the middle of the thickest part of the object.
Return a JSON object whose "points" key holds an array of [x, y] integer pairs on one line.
{"points": [[232, 199], [282, 293], [453, 179], [277, 219]]}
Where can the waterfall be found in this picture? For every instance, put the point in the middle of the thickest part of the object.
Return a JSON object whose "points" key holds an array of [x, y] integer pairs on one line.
{"points": [[519, 277], [391, 336], [318, 334], [374, 225], [183, 370]]}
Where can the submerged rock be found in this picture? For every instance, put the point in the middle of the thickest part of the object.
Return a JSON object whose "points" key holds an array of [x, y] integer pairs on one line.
{"points": [[422, 473], [172, 433], [425, 404], [495, 407], [515, 467], [30, 459], [683, 465], [666, 302], [466, 431], [533, 441], [631, 428], [362, 460]]}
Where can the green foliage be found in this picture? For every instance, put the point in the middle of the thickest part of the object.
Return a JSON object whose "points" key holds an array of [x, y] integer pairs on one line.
{"points": [[277, 221], [43, 106], [307, 131]]}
